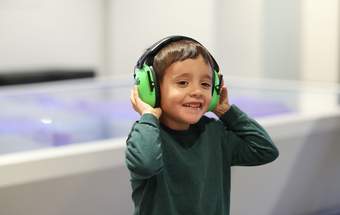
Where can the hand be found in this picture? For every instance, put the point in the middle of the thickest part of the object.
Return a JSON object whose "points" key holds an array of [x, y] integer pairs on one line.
{"points": [[223, 104], [142, 107]]}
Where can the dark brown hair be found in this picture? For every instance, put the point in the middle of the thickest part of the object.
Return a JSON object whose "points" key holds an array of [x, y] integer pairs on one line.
{"points": [[178, 51]]}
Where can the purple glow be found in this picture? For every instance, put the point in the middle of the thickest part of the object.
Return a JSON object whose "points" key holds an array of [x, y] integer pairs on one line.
{"points": [[257, 108], [54, 121]]}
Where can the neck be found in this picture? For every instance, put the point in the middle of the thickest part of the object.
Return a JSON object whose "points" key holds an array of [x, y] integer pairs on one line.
{"points": [[175, 126]]}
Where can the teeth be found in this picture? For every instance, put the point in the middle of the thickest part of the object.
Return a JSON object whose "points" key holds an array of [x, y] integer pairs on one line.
{"points": [[193, 105]]}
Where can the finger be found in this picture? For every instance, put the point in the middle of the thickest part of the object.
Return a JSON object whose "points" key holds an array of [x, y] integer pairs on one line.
{"points": [[132, 98], [226, 95], [223, 95], [226, 92], [136, 95], [135, 91]]}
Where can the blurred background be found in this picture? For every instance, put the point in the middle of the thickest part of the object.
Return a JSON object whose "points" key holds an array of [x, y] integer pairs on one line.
{"points": [[293, 40], [62, 141]]}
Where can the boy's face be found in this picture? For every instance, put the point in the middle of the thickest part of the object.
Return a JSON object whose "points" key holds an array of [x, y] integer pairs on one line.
{"points": [[185, 92]]}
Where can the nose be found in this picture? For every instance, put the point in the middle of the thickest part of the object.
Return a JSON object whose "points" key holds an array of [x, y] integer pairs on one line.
{"points": [[196, 91]]}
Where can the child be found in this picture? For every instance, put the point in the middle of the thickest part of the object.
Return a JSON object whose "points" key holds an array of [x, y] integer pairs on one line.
{"points": [[179, 159]]}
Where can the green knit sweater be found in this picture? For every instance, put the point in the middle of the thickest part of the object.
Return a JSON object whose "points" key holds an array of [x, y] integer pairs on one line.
{"points": [[188, 172]]}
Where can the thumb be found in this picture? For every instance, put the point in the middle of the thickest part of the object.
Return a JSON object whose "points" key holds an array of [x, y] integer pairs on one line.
{"points": [[158, 111]]}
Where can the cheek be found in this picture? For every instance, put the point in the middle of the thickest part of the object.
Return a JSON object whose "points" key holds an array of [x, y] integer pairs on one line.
{"points": [[172, 101], [207, 94], [208, 98], [168, 95], [171, 96]]}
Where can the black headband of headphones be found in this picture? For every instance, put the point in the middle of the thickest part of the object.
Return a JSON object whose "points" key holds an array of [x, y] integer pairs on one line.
{"points": [[150, 53]]}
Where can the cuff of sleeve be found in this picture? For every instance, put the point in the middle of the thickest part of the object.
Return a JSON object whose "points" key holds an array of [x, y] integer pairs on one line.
{"points": [[149, 118], [232, 114]]}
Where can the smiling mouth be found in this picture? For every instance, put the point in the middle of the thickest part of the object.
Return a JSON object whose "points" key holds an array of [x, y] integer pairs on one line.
{"points": [[193, 105]]}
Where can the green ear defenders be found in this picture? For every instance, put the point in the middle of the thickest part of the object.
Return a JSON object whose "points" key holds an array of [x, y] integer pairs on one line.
{"points": [[146, 79]]}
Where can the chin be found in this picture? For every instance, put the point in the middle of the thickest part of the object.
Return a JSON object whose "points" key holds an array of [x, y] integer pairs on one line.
{"points": [[193, 120]]}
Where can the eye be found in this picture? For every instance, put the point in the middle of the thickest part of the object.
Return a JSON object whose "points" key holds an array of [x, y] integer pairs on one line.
{"points": [[206, 85], [182, 83]]}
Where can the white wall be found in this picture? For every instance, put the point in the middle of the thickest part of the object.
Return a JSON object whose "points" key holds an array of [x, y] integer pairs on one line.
{"points": [[239, 33], [281, 39], [47, 33], [135, 25], [250, 38], [305, 177], [290, 39], [320, 40]]}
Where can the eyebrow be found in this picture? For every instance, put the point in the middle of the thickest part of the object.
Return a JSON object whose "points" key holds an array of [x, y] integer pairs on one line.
{"points": [[208, 77], [188, 75], [181, 75]]}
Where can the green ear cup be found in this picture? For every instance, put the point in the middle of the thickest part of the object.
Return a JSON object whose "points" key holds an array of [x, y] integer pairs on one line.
{"points": [[146, 85], [215, 95]]}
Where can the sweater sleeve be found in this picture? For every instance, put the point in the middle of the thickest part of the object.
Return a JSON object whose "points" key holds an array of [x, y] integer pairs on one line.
{"points": [[247, 142], [143, 153]]}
